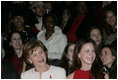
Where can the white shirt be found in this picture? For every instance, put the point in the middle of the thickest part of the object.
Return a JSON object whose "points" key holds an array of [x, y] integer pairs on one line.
{"points": [[55, 44], [39, 25], [52, 73]]}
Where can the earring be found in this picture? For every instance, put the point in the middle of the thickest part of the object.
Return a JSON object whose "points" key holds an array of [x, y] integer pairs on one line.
{"points": [[30, 61]]}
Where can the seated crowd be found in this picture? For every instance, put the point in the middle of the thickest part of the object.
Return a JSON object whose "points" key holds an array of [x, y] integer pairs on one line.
{"points": [[59, 40]]}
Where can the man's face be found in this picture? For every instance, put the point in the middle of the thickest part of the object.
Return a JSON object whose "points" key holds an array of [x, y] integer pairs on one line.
{"points": [[18, 21], [39, 10]]}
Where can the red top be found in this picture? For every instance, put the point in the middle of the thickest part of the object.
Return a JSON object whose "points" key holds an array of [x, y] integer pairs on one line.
{"points": [[18, 63], [35, 30], [71, 34], [80, 74]]}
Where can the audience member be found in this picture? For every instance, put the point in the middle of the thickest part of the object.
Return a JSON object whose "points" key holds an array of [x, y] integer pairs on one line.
{"points": [[7, 8], [110, 27], [38, 8], [67, 57], [18, 24], [57, 10], [7, 68], [66, 14], [35, 54], [15, 51], [53, 38], [95, 34], [81, 21], [85, 65], [109, 60], [101, 6]]}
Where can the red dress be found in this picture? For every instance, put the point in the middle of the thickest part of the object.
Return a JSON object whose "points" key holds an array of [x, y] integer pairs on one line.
{"points": [[80, 74]]}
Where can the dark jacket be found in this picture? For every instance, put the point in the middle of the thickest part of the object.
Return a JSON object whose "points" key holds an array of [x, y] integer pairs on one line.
{"points": [[8, 71]]}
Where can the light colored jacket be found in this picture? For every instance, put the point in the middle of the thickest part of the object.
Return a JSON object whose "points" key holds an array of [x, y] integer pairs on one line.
{"points": [[55, 44], [52, 73]]}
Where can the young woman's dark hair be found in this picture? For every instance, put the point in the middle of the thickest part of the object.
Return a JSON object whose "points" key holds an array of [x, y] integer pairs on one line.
{"points": [[96, 69], [10, 35], [64, 63]]}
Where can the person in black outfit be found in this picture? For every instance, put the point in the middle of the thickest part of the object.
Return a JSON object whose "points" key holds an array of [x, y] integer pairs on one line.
{"points": [[18, 19], [8, 71]]}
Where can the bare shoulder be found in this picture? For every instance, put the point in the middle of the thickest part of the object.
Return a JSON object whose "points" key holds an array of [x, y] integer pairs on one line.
{"points": [[70, 76]]}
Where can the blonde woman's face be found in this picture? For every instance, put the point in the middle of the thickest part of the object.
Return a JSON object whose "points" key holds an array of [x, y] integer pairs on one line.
{"points": [[38, 57]]}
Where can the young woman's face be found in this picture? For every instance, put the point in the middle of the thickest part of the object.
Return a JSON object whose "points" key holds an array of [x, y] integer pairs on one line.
{"points": [[70, 52], [38, 57], [111, 18], [96, 36], [87, 54], [107, 57], [16, 41]]}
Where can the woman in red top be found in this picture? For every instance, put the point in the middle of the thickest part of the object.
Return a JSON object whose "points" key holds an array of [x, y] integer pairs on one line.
{"points": [[15, 51], [85, 64]]}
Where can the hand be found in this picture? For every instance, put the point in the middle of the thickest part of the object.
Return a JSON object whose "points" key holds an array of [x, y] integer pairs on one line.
{"points": [[106, 76]]}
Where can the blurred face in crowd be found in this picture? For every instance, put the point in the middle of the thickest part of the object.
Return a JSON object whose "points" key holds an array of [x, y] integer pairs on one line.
{"points": [[96, 36], [87, 54], [48, 6], [39, 10], [49, 23], [70, 52], [111, 18], [81, 7], [16, 41], [38, 57], [107, 57], [18, 21]]}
